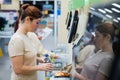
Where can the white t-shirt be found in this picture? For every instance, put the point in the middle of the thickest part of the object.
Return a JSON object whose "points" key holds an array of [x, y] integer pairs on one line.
{"points": [[84, 54], [28, 46]]}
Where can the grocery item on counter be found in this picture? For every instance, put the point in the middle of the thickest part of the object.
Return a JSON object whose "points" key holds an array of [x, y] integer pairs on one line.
{"points": [[48, 74], [62, 74], [65, 71], [47, 59], [52, 59], [67, 68]]}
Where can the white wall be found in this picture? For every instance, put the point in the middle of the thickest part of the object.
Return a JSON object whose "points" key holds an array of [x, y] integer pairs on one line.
{"points": [[13, 6], [62, 35]]}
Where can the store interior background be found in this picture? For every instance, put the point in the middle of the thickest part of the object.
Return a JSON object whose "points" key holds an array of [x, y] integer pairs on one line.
{"points": [[55, 35]]}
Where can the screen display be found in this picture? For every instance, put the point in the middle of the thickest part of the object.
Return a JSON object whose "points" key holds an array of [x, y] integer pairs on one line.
{"points": [[5, 1], [47, 7], [69, 18], [73, 27]]}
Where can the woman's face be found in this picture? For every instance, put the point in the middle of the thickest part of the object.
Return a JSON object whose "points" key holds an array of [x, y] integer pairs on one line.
{"points": [[34, 24], [99, 40]]}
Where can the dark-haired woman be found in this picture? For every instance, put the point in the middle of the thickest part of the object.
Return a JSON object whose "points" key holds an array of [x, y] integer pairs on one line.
{"points": [[24, 46], [97, 66]]}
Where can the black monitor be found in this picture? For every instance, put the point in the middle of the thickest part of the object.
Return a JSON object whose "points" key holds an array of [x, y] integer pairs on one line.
{"points": [[47, 7], [68, 20], [73, 27]]}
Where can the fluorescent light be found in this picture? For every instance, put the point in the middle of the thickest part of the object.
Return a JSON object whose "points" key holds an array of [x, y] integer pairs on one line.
{"points": [[116, 10], [108, 10], [109, 16], [101, 10], [118, 18], [116, 5], [34, 2], [92, 8], [115, 20]]}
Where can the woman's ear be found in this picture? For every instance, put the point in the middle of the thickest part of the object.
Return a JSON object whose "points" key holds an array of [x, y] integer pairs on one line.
{"points": [[108, 37], [27, 19]]}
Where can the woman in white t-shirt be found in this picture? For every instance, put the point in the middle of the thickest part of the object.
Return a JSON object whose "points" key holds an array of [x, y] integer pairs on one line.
{"points": [[97, 66], [24, 46]]}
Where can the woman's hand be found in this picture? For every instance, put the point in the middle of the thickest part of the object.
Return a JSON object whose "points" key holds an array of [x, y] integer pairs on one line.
{"points": [[79, 76], [45, 67], [41, 60], [78, 67], [55, 57], [40, 37]]}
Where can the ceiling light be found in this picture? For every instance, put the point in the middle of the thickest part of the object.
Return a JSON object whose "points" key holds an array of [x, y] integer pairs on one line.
{"points": [[118, 18], [101, 10], [109, 16], [108, 10], [93, 33], [115, 20], [116, 10], [116, 5], [34, 2], [92, 8]]}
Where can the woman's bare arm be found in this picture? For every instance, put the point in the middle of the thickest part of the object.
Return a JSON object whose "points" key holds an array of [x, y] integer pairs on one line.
{"points": [[20, 68]]}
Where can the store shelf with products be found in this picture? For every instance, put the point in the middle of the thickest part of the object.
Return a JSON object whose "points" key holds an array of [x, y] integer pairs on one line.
{"points": [[5, 36], [7, 33], [4, 39]]}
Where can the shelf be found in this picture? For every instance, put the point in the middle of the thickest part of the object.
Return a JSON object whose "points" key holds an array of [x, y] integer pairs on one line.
{"points": [[5, 36]]}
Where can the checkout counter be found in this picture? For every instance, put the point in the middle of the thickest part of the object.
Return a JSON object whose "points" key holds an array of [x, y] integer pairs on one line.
{"points": [[62, 64]]}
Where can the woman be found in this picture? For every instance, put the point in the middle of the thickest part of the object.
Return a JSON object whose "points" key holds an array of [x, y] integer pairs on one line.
{"points": [[97, 67], [87, 50], [16, 24], [24, 46]]}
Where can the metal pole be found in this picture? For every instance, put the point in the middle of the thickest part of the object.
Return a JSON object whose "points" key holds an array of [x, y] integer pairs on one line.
{"points": [[55, 23]]}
